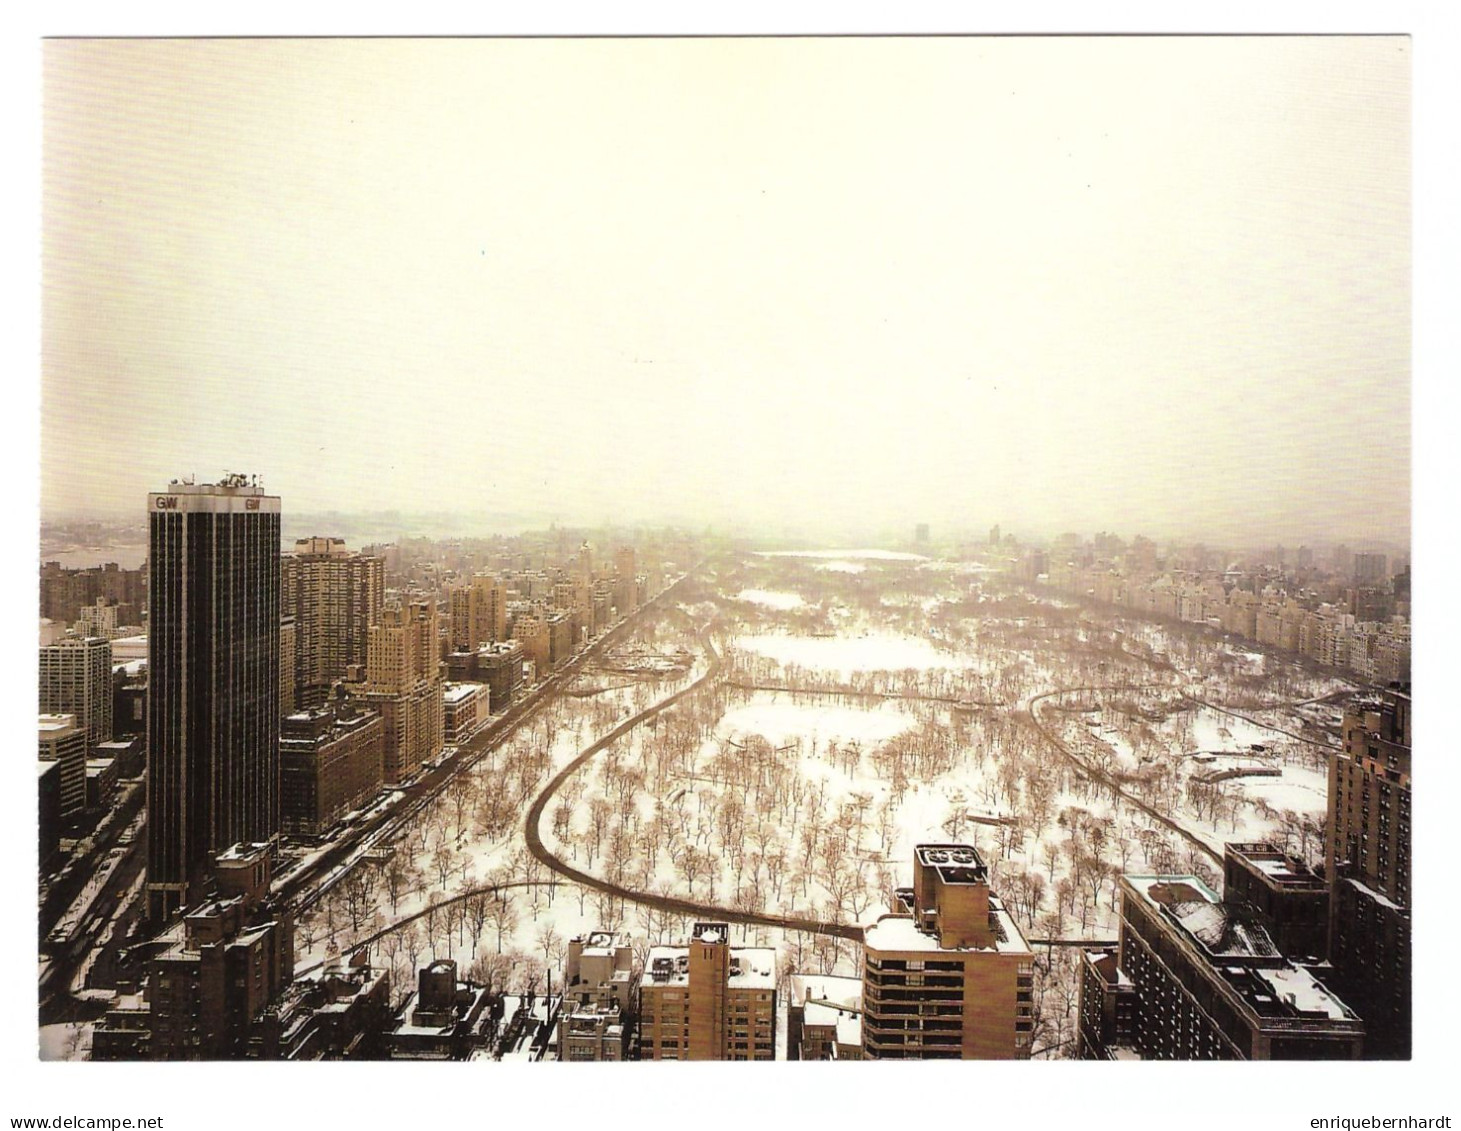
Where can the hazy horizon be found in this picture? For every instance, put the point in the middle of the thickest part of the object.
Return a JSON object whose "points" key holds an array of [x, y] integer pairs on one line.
{"points": [[1146, 285]]}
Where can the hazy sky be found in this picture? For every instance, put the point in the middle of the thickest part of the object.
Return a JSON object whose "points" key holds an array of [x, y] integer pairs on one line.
{"points": [[1134, 284]]}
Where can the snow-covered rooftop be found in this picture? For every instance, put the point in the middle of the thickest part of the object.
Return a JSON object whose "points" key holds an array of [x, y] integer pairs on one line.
{"points": [[51, 724], [752, 967], [901, 932], [831, 989], [1300, 990], [1382, 900], [1198, 911], [847, 1023]]}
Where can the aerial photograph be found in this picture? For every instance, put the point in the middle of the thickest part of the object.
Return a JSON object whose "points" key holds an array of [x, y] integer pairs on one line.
{"points": [[724, 549]]}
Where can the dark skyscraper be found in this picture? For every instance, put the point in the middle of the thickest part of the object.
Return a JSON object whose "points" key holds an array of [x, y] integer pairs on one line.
{"points": [[213, 662], [1367, 859]]}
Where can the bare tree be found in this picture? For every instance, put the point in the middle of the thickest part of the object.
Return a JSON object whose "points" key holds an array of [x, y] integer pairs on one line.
{"points": [[358, 894], [504, 918], [395, 876], [551, 944]]}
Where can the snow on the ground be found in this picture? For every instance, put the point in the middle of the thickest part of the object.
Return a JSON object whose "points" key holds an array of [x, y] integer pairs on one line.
{"points": [[1253, 661], [780, 720], [1299, 789], [873, 651], [1215, 731], [67, 1041], [954, 764], [771, 598]]}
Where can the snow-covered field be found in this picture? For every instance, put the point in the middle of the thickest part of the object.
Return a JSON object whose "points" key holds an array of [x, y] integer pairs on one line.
{"points": [[778, 719], [871, 651], [772, 600]]}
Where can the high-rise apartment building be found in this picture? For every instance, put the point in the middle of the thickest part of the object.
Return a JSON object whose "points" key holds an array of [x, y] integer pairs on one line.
{"points": [[598, 989], [708, 1000], [213, 670], [1210, 984], [489, 610], [331, 761], [62, 740], [626, 584], [76, 679], [953, 978], [478, 613], [1371, 568], [334, 595], [1283, 893], [404, 684], [211, 974], [288, 653], [1367, 862], [536, 638]]}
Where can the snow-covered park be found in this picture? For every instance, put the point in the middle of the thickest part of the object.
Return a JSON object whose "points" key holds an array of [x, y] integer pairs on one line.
{"points": [[855, 713]]}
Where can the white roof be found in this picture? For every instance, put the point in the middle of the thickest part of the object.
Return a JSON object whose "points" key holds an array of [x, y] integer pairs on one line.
{"points": [[757, 967], [1298, 987], [839, 991], [900, 932]]}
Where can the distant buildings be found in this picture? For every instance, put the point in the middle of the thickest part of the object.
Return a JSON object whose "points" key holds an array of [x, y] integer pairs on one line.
{"points": [[953, 978], [213, 665], [708, 1000], [1356, 622], [66, 593], [1367, 860], [1370, 569], [626, 581]]}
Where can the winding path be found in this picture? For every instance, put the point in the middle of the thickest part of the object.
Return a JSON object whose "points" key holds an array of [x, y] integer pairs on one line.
{"points": [[1260, 723], [395, 925], [660, 902], [1107, 779]]}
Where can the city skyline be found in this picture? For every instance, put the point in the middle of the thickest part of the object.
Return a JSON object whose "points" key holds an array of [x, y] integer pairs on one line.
{"points": [[460, 302], [942, 277]]}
